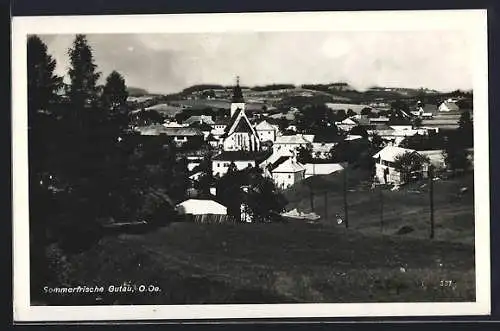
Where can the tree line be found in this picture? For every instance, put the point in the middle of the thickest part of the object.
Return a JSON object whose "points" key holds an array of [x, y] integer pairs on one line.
{"points": [[86, 166]]}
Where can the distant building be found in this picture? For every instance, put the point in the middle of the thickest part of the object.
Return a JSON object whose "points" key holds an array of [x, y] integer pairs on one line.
{"points": [[291, 142], [199, 119], [447, 106], [318, 169], [266, 131], [203, 211], [385, 170], [181, 136], [321, 150], [288, 173], [241, 159], [347, 124]]}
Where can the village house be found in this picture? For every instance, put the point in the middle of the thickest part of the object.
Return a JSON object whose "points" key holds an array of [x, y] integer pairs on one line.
{"points": [[199, 119], [321, 150], [448, 106], [292, 142], [320, 169], [266, 131], [203, 211], [379, 120], [180, 136], [385, 169], [173, 124], [241, 159], [287, 172], [347, 124]]}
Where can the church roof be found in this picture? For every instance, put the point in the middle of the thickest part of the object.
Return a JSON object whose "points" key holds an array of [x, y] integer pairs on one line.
{"points": [[238, 123], [243, 126]]}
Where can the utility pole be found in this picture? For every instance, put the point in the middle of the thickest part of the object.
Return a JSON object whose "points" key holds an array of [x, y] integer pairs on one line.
{"points": [[346, 214], [311, 197], [326, 205], [431, 199], [381, 208]]}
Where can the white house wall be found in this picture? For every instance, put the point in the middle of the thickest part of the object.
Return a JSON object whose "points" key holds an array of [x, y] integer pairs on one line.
{"points": [[220, 167], [284, 180], [265, 135]]}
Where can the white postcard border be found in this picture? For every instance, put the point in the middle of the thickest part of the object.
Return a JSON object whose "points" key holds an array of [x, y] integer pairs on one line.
{"points": [[473, 21]]}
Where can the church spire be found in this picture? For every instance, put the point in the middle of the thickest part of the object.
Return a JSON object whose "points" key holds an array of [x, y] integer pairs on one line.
{"points": [[237, 94]]}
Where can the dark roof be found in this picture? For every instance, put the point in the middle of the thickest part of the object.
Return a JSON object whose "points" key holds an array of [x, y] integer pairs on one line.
{"points": [[156, 130], [231, 121], [203, 126], [211, 138], [399, 121], [221, 120], [243, 127], [279, 161], [241, 156]]}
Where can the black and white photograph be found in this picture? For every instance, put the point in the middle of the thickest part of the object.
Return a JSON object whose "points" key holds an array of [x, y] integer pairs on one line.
{"points": [[251, 165]]}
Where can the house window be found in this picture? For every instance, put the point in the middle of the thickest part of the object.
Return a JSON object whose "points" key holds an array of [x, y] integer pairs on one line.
{"points": [[289, 176]]}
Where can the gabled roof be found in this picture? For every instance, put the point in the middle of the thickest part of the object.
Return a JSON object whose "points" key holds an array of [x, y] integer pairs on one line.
{"points": [[236, 126], [277, 163], [451, 105], [289, 166], [389, 153], [201, 207], [221, 121], [264, 126], [199, 118], [158, 129], [291, 139], [322, 168], [202, 126], [243, 126], [349, 121]]}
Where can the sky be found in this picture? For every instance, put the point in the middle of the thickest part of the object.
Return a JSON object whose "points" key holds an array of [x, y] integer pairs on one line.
{"points": [[168, 63]]}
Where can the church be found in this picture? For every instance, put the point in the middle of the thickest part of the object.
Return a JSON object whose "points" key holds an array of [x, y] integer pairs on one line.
{"points": [[239, 134]]}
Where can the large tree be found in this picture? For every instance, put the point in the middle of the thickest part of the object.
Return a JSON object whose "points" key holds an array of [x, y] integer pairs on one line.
{"points": [[43, 83], [409, 163], [83, 73], [248, 187], [455, 153], [466, 129], [114, 95]]}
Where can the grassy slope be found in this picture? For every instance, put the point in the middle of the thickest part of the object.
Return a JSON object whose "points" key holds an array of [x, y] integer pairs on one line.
{"points": [[295, 262], [454, 215], [273, 263]]}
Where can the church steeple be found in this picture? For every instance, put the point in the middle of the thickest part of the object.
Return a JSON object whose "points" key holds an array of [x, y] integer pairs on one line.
{"points": [[237, 94]]}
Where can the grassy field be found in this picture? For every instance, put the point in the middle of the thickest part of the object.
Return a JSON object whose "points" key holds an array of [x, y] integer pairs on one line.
{"points": [[407, 207], [296, 261], [270, 263]]}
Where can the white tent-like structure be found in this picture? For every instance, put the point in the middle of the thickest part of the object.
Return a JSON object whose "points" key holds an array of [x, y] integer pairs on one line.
{"points": [[201, 207]]}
